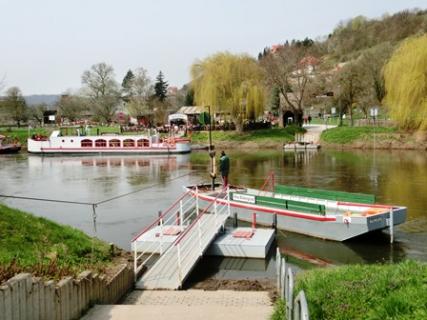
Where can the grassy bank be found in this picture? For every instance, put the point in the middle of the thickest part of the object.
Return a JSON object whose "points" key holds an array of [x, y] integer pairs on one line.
{"points": [[21, 134], [373, 137], [389, 291], [265, 137], [44, 248], [347, 135]]}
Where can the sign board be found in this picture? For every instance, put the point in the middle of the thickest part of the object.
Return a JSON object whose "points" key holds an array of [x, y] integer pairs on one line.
{"points": [[243, 198], [52, 118], [333, 110], [374, 111], [178, 116]]}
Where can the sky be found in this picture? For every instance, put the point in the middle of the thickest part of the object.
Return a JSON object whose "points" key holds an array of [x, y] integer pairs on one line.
{"points": [[46, 45]]}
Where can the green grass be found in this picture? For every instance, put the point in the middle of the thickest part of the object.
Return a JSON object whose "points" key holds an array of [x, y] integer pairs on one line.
{"points": [[389, 291], [343, 135], [21, 134], [268, 135], [42, 247]]}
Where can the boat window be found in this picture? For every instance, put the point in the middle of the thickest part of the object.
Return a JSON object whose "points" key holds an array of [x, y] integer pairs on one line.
{"points": [[100, 143], [114, 143], [86, 143], [143, 143], [128, 143]]}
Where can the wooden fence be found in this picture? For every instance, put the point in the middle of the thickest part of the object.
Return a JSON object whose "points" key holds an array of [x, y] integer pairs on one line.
{"points": [[25, 297]]}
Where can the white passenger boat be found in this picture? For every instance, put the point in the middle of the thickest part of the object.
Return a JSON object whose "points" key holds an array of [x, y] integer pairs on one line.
{"points": [[319, 213], [107, 144]]}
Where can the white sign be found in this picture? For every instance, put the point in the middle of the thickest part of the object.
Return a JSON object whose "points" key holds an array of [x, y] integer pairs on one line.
{"points": [[177, 116], [51, 118], [243, 198], [333, 110], [374, 112]]}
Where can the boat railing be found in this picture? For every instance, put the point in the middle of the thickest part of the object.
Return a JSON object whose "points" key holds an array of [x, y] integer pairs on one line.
{"points": [[195, 242], [178, 215]]}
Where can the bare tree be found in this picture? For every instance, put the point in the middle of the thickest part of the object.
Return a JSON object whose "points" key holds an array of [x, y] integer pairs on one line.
{"points": [[102, 89], [349, 88], [291, 69], [72, 107], [15, 105], [141, 90], [37, 113]]}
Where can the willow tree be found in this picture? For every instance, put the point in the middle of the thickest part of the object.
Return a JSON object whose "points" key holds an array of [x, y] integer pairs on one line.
{"points": [[230, 84], [406, 84]]}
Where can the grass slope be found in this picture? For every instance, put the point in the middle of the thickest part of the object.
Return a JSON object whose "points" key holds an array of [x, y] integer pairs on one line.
{"points": [[21, 134], [42, 247], [389, 291], [343, 135], [259, 136]]}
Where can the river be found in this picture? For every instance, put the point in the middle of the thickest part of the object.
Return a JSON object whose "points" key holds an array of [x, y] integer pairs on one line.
{"points": [[395, 177]]}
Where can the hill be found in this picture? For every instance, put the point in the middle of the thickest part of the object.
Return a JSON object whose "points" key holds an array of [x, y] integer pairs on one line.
{"points": [[47, 99]]}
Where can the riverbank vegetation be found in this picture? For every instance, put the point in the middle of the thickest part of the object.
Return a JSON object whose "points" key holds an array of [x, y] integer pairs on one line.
{"points": [[44, 248], [373, 138], [380, 291], [263, 138]]}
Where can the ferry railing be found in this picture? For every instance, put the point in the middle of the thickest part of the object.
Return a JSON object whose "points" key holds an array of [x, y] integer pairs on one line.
{"points": [[179, 214], [269, 180], [295, 308], [189, 247]]}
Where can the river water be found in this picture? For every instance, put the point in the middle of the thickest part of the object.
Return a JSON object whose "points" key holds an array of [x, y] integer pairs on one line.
{"points": [[395, 177]]}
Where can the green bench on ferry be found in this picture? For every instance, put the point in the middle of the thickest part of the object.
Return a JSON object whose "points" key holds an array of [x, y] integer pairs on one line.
{"points": [[325, 194]]}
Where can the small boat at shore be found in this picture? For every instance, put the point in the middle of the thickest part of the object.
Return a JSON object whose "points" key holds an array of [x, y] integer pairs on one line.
{"points": [[107, 144], [8, 147], [326, 214]]}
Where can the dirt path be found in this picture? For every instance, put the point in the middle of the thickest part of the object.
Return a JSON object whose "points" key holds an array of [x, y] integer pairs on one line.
{"points": [[314, 131]]}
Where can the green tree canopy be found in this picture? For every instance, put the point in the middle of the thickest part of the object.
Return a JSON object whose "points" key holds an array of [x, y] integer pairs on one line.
{"points": [[161, 87], [230, 84], [406, 84]]}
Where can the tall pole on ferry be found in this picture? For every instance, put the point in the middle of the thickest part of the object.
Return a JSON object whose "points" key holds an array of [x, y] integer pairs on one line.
{"points": [[211, 151]]}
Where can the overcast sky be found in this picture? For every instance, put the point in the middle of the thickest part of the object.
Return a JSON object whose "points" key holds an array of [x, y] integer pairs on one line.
{"points": [[45, 45]]}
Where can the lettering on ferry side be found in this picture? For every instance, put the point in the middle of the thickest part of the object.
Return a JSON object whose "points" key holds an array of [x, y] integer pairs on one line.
{"points": [[243, 198]]}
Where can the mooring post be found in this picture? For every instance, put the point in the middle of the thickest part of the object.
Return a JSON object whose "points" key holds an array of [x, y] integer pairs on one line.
{"points": [[254, 220], [235, 221], [159, 215], [391, 220], [275, 222], [278, 267]]}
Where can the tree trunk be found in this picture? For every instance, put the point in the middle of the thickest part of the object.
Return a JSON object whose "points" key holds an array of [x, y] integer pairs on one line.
{"points": [[299, 117], [281, 124]]}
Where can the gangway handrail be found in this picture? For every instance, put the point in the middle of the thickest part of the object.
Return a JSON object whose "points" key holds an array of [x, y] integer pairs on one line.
{"points": [[155, 222], [182, 235]]}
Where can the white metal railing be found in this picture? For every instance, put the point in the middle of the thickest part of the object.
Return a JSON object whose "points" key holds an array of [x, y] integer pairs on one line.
{"points": [[191, 244], [295, 309], [180, 213]]}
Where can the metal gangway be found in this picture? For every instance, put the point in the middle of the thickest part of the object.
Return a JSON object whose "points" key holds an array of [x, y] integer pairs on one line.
{"points": [[165, 265]]}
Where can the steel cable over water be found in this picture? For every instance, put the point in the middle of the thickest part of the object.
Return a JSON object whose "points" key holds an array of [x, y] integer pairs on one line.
{"points": [[94, 205]]}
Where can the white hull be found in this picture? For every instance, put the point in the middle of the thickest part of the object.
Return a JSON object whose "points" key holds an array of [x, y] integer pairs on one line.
{"points": [[112, 144], [334, 225]]}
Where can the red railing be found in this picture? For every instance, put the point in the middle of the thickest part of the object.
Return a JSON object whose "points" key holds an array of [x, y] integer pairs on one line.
{"points": [[269, 178], [160, 217], [178, 240]]}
